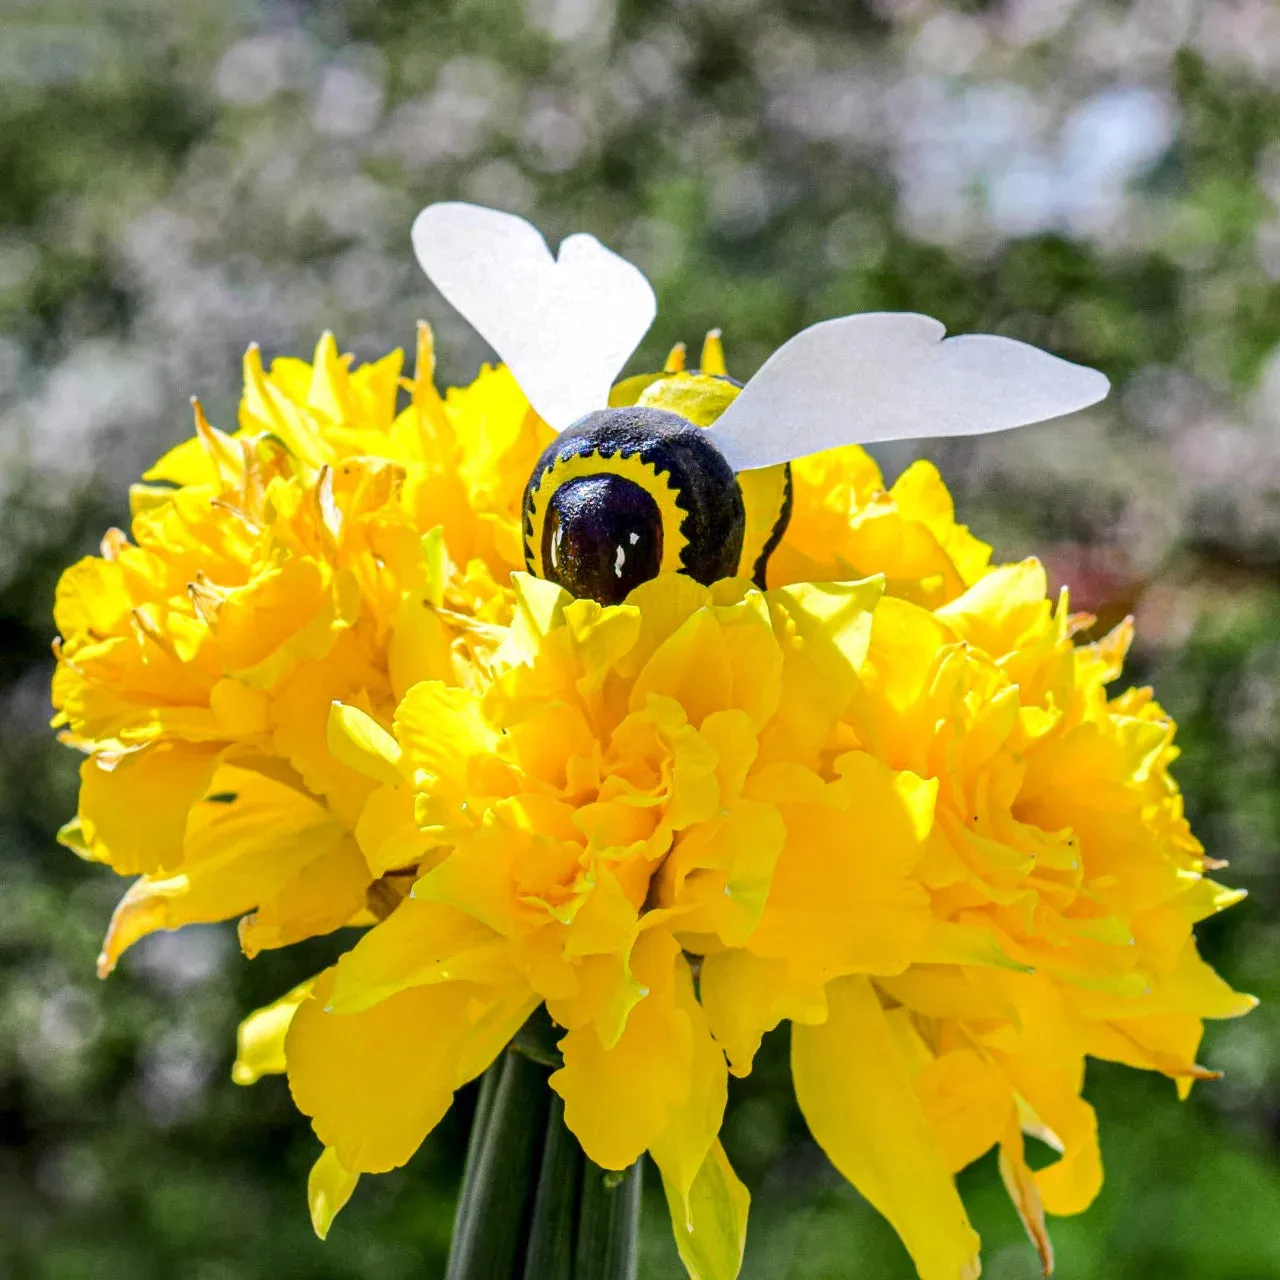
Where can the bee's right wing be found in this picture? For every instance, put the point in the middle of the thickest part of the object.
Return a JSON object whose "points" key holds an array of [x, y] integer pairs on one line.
{"points": [[890, 376], [564, 327]]}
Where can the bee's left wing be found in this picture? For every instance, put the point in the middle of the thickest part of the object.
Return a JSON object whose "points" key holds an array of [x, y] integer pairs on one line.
{"points": [[890, 376], [563, 326]]}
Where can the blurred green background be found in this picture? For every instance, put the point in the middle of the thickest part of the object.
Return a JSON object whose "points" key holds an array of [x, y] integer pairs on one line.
{"points": [[179, 179]]}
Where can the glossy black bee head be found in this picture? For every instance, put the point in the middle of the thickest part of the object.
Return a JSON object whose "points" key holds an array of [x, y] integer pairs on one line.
{"points": [[625, 494]]}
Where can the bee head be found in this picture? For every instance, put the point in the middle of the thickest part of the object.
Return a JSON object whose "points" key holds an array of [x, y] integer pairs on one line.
{"points": [[628, 493]]}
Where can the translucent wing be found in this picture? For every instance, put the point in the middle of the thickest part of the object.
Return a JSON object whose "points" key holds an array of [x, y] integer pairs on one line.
{"points": [[564, 327], [889, 376]]}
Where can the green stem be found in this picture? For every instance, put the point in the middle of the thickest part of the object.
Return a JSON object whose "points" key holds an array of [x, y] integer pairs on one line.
{"points": [[608, 1224], [502, 1162], [555, 1207], [479, 1126], [532, 1206]]}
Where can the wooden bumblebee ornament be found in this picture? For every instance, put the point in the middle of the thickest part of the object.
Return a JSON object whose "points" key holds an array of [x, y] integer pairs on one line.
{"points": [[688, 472]]}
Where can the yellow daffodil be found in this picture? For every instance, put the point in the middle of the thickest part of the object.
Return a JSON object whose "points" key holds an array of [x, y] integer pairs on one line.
{"points": [[1063, 883], [332, 548], [947, 857], [928, 838], [605, 806], [845, 525]]}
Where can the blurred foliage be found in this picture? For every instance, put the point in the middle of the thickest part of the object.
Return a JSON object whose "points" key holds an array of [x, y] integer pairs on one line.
{"points": [[178, 180]]}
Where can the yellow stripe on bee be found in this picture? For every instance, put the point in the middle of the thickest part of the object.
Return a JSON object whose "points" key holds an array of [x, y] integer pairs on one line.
{"points": [[657, 484], [764, 493]]}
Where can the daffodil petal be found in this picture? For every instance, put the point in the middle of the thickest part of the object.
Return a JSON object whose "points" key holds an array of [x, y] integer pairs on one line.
{"points": [[253, 841], [419, 944], [361, 743], [1020, 1183], [375, 1083], [856, 1094], [681, 1149], [969, 1103], [746, 995], [133, 810], [329, 1187], [648, 1066], [709, 1220], [260, 1037]]}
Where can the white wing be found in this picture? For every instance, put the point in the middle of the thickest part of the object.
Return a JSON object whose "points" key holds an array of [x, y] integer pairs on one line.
{"points": [[889, 376], [564, 327]]}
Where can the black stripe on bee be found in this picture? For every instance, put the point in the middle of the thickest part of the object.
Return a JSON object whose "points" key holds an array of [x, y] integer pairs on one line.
{"points": [[761, 566]]}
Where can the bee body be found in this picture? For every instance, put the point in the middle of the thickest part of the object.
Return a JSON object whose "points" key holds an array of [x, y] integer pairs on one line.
{"points": [[641, 488], [628, 493]]}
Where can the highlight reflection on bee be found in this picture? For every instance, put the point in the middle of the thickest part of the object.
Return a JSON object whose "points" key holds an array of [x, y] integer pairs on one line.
{"points": [[688, 471]]}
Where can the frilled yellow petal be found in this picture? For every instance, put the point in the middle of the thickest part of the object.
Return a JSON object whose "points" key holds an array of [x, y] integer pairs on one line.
{"points": [[129, 689], [260, 1037], [184, 464], [539, 608], [728, 869], [320, 896], [649, 1066], [845, 525], [1162, 1042], [268, 407], [745, 995], [134, 807], [91, 598], [691, 667], [440, 729], [376, 1083], [1191, 986], [329, 390], [501, 872], [922, 495], [601, 637], [968, 1102], [299, 713], [824, 631], [1003, 609], [240, 712], [855, 1091], [842, 899], [420, 647], [959, 990], [288, 613], [329, 1187]]}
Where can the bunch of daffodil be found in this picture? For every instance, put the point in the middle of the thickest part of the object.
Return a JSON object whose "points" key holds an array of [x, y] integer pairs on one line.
{"points": [[875, 788]]}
